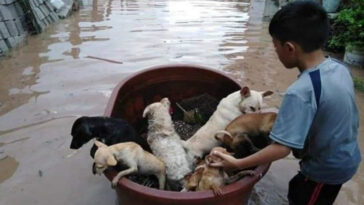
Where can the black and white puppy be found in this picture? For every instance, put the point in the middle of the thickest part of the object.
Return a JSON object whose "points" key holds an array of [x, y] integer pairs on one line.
{"points": [[107, 130]]}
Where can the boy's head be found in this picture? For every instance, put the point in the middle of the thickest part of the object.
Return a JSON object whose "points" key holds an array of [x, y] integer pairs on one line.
{"points": [[299, 27]]}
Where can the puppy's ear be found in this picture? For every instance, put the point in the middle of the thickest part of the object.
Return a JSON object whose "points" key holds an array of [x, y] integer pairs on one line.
{"points": [[80, 127], [228, 139], [224, 137], [200, 170], [266, 93], [188, 176], [165, 101], [94, 168], [99, 144], [75, 126], [146, 111], [219, 137], [245, 92], [111, 161]]}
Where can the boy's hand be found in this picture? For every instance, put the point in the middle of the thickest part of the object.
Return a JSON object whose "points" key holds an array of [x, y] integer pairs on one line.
{"points": [[227, 162]]}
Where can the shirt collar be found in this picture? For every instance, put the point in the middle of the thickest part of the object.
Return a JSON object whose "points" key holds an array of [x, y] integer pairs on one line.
{"points": [[328, 58]]}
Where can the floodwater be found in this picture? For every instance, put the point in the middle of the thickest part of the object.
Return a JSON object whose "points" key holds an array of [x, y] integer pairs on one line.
{"points": [[70, 70]]}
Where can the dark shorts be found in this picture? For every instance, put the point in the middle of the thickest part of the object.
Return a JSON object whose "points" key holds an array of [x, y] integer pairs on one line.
{"points": [[306, 192]]}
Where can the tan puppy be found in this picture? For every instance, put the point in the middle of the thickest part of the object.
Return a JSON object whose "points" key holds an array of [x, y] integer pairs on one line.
{"points": [[133, 156], [230, 107], [211, 178], [252, 129]]}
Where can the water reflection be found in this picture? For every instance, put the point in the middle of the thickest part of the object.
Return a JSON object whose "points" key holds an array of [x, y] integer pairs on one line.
{"points": [[71, 68]]}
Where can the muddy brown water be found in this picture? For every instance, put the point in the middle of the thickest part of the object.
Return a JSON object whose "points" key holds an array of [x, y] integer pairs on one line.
{"points": [[71, 69]]}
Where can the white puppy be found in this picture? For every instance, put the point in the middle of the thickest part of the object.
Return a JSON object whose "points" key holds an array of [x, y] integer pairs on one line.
{"points": [[166, 144], [230, 107], [133, 156]]}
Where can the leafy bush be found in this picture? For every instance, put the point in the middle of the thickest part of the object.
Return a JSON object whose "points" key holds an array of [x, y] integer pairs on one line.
{"points": [[359, 83], [348, 26]]}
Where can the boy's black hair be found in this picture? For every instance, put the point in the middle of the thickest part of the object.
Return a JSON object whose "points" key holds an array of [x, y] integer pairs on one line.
{"points": [[303, 22]]}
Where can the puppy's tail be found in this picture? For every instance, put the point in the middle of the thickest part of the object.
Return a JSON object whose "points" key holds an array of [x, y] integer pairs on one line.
{"points": [[219, 134]]}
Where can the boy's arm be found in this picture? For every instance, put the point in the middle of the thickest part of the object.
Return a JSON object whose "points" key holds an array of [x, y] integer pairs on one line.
{"points": [[269, 154], [289, 131]]}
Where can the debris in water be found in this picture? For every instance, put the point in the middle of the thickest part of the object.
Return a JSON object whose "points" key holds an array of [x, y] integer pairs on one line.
{"points": [[40, 173], [104, 59], [71, 154], [205, 103], [185, 130]]}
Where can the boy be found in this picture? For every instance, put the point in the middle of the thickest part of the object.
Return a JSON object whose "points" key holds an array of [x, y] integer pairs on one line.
{"points": [[318, 114]]}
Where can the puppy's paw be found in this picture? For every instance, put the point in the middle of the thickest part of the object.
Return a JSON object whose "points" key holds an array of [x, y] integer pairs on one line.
{"points": [[184, 190], [114, 183], [217, 191]]}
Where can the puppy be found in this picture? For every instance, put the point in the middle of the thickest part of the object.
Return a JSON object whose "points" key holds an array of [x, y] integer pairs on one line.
{"points": [[230, 107], [131, 155], [166, 143], [247, 133], [105, 129], [211, 178]]}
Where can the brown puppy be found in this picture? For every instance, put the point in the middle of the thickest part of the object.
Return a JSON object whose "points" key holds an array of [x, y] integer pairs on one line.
{"points": [[211, 178], [249, 129], [133, 156]]}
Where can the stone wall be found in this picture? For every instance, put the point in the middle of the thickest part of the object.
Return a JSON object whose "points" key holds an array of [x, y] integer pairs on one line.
{"points": [[12, 25], [43, 13], [18, 18]]}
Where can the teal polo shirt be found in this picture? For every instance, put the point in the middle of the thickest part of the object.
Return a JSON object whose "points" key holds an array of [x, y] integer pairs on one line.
{"points": [[327, 121]]}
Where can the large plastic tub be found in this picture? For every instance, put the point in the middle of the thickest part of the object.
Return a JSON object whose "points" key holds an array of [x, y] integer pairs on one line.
{"points": [[177, 82]]}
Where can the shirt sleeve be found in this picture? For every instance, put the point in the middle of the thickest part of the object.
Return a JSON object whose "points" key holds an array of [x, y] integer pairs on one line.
{"points": [[293, 122]]}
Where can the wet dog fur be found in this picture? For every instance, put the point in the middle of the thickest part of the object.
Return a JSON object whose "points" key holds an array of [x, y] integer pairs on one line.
{"points": [[247, 133], [210, 178], [104, 129], [133, 157], [166, 143], [230, 107]]}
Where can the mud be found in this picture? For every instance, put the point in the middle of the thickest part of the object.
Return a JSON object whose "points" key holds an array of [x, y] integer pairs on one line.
{"points": [[8, 165], [50, 81]]}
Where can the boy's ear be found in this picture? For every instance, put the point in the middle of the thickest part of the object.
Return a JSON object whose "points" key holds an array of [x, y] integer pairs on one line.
{"points": [[289, 46], [99, 144]]}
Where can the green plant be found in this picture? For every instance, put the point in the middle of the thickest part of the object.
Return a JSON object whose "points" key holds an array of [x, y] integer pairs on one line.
{"points": [[348, 26], [359, 83]]}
